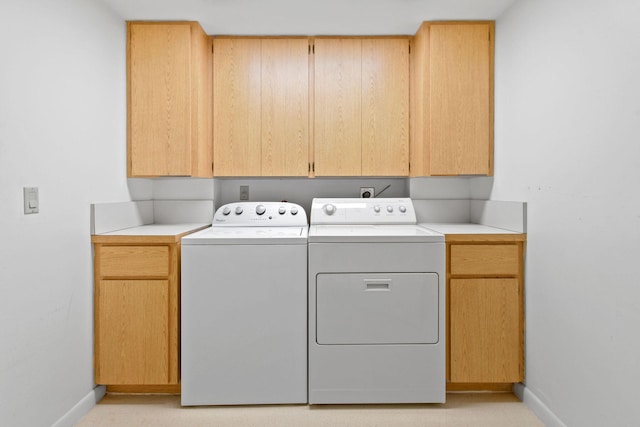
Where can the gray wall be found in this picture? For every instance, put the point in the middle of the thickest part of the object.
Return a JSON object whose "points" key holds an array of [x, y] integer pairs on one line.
{"points": [[568, 143], [62, 129]]}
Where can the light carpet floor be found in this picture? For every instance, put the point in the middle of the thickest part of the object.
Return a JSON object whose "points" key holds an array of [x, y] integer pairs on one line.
{"points": [[461, 409]]}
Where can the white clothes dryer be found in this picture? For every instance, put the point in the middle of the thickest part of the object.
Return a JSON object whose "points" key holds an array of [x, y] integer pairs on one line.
{"points": [[376, 304], [244, 307]]}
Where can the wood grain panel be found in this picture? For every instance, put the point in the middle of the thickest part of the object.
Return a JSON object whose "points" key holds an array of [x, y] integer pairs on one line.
{"points": [[145, 389], [461, 98], [385, 107], [338, 107], [419, 107], [485, 330], [285, 107], [134, 261], [159, 88], [132, 332], [485, 259], [237, 109], [202, 92]]}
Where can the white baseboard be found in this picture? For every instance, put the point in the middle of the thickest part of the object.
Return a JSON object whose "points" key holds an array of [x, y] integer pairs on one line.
{"points": [[536, 405], [81, 408]]}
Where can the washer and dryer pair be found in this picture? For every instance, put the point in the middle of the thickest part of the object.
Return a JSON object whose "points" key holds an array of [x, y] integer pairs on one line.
{"points": [[349, 310]]}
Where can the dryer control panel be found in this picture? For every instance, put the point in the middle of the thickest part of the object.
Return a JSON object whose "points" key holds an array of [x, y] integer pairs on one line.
{"points": [[351, 211], [260, 214]]}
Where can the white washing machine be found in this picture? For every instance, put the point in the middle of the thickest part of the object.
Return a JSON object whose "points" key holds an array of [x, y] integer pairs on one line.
{"points": [[376, 304], [244, 307]]}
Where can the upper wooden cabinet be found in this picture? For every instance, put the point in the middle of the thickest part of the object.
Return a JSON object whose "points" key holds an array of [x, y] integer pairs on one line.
{"points": [[168, 100], [452, 99], [261, 106], [361, 106]]}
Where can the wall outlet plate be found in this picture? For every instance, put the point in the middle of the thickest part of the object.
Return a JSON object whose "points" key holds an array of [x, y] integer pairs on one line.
{"points": [[244, 192], [367, 192]]}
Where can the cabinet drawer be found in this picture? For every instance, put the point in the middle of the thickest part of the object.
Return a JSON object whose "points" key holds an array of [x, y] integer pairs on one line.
{"points": [[134, 261], [485, 259]]}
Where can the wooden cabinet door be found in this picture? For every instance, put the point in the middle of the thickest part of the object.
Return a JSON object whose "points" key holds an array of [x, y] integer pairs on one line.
{"points": [[485, 330], [285, 107], [338, 107], [159, 89], [385, 107], [461, 98], [452, 99], [236, 106], [133, 332]]}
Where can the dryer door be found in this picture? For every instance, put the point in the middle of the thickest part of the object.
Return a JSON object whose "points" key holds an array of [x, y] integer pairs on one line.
{"points": [[378, 308]]}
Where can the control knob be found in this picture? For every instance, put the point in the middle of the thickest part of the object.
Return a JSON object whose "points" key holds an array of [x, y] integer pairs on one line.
{"points": [[294, 211], [238, 210], [226, 211], [329, 209], [260, 209], [281, 210], [389, 208], [376, 209], [403, 209]]}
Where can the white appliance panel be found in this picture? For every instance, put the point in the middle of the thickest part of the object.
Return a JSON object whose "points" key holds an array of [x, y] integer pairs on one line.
{"points": [[397, 308], [246, 324], [244, 308], [362, 211], [248, 236], [373, 233], [374, 346]]}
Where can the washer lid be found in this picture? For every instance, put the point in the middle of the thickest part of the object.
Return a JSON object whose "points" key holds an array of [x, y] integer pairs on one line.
{"points": [[372, 233], [248, 236]]}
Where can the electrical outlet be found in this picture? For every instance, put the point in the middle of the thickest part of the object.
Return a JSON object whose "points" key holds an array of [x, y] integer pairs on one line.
{"points": [[244, 192], [367, 192]]}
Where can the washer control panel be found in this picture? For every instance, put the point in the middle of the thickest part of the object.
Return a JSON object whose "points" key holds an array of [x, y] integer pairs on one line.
{"points": [[260, 214], [363, 211]]}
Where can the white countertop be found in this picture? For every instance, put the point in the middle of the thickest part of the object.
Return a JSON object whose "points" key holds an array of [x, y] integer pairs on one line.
{"points": [[157, 230], [465, 228]]}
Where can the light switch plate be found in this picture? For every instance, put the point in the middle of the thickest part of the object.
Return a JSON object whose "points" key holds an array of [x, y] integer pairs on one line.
{"points": [[31, 201]]}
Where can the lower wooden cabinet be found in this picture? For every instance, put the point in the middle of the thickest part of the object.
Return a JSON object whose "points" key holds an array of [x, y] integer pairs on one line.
{"points": [[133, 332], [136, 305], [485, 311]]}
